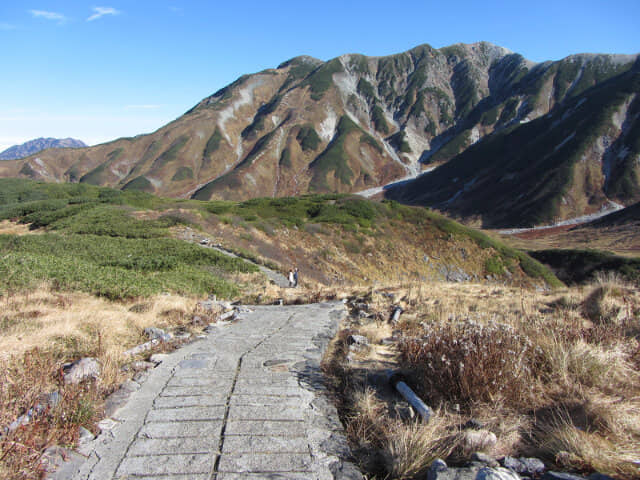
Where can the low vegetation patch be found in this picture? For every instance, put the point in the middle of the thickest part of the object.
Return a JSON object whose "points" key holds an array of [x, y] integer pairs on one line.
{"points": [[580, 266], [115, 268]]}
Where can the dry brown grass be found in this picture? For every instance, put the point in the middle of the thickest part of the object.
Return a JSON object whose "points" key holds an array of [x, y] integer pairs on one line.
{"points": [[42, 329], [412, 447], [8, 227], [552, 374]]}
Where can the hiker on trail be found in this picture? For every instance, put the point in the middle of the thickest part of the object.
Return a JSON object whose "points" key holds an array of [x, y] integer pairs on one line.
{"points": [[295, 277], [291, 278]]}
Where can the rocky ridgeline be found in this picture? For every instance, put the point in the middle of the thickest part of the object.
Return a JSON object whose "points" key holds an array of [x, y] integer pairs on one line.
{"points": [[34, 146]]}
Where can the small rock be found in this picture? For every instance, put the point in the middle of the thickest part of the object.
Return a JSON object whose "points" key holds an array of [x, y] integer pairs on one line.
{"points": [[524, 466], [478, 440], [436, 467], [404, 411], [154, 333], [20, 421], [484, 458], [158, 358], [357, 340], [142, 348], [498, 473], [82, 369], [53, 399], [141, 365], [561, 476], [107, 424]]}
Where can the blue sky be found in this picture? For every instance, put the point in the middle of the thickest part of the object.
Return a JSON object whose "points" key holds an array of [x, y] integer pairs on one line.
{"points": [[98, 71]]}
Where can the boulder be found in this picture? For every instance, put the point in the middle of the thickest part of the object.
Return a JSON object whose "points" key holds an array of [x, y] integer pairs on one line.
{"points": [[80, 370], [478, 441]]}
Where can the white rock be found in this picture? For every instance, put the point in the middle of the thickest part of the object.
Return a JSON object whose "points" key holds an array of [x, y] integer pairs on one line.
{"points": [[82, 369]]}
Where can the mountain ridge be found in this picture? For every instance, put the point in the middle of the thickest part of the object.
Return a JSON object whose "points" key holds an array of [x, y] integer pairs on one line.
{"points": [[36, 145], [345, 125]]}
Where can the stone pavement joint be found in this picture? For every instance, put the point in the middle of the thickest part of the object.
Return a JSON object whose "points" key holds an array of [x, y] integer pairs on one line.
{"points": [[248, 401]]}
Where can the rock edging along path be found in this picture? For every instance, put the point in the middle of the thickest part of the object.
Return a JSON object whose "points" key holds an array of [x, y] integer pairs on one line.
{"points": [[246, 402]]}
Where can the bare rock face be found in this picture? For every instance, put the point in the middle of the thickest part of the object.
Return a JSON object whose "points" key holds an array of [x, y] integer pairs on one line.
{"points": [[80, 370]]}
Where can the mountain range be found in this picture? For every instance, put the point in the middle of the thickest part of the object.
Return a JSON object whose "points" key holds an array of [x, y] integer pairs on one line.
{"points": [[34, 146], [503, 141]]}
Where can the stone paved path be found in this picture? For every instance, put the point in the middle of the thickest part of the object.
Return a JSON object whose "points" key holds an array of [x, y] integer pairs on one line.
{"points": [[247, 402]]}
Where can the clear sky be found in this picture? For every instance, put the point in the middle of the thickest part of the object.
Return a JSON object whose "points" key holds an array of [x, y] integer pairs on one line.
{"points": [[98, 71]]}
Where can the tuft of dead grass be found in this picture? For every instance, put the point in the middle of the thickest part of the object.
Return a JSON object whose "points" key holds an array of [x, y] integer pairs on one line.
{"points": [[412, 447], [572, 446]]}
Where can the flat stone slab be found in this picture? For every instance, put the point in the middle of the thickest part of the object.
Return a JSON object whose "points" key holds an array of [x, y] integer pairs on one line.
{"points": [[264, 400], [265, 444], [166, 465], [266, 427], [182, 414], [180, 429], [265, 462], [246, 402], [190, 401], [266, 412], [167, 446]]}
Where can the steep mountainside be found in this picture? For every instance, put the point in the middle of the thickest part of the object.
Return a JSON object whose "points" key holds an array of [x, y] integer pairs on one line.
{"points": [[345, 125], [37, 145], [572, 161]]}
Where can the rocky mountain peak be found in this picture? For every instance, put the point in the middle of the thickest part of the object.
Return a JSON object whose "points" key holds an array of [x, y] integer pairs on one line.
{"points": [[34, 146], [356, 123]]}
